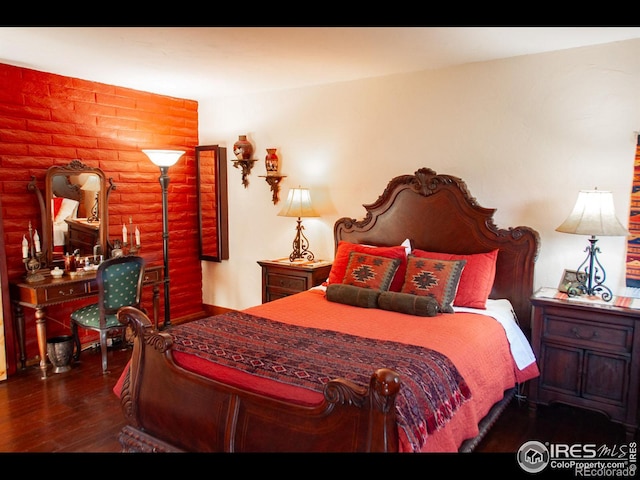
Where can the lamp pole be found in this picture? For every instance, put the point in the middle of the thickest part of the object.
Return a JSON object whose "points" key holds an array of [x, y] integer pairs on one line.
{"points": [[164, 159], [164, 183]]}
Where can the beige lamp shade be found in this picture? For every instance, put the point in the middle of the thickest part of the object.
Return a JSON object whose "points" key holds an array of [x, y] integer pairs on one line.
{"points": [[163, 158], [92, 184], [593, 214], [298, 204]]}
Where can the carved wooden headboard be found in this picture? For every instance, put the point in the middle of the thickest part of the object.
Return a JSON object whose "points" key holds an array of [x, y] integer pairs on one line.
{"points": [[437, 213], [62, 187]]}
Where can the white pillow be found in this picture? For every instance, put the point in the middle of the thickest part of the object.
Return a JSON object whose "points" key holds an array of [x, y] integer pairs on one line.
{"points": [[68, 208], [407, 246]]}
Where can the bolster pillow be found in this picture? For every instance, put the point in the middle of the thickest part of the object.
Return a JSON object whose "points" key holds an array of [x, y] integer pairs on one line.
{"points": [[352, 295], [423, 306]]}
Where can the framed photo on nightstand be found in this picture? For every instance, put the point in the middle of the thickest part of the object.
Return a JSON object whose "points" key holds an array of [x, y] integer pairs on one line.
{"points": [[569, 279]]}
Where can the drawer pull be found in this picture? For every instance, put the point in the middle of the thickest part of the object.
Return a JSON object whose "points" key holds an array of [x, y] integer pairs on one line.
{"points": [[64, 293], [576, 333]]}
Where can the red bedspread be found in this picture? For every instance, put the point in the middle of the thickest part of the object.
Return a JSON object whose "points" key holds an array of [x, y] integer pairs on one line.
{"points": [[432, 388], [476, 344]]}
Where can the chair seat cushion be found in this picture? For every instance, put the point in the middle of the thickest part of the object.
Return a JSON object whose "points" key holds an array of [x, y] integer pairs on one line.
{"points": [[89, 316]]}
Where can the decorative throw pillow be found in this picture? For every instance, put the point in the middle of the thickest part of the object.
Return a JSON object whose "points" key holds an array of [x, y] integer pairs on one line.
{"points": [[410, 304], [344, 249], [477, 277], [370, 271], [434, 278], [350, 295]]}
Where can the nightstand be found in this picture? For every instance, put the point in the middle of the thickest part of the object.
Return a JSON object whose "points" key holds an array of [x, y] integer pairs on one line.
{"points": [[588, 354], [281, 277], [83, 235]]}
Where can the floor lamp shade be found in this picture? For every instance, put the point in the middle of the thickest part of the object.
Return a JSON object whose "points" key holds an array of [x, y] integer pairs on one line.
{"points": [[165, 159]]}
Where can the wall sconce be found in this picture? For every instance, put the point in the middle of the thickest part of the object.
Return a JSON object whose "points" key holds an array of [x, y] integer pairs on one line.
{"points": [[593, 214], [299, 205], [165, 159], [92, 184]]}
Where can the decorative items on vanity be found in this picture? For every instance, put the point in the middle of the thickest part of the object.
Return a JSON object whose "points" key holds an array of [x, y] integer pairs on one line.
{"points": [[32, 256], [131, 238]]}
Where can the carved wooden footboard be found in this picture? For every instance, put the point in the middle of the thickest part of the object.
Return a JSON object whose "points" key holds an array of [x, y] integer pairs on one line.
{"points": [[170, 409]]}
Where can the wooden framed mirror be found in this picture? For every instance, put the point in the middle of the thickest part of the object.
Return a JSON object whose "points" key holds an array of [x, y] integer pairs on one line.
{"points": [[74, 212], [213, 216]]}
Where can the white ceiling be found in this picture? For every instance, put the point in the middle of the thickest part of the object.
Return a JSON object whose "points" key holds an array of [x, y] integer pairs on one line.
{"points": [[204, 62]]}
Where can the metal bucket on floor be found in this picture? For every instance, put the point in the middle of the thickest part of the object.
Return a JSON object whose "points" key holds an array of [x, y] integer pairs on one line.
{"points": [[60, 351]]}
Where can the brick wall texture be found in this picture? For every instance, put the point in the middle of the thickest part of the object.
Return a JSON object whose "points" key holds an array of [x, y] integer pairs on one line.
{"points": [[48, 119]]}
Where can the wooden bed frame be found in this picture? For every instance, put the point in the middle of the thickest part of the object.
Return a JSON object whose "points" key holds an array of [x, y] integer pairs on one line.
{"points": [[170, 409]]}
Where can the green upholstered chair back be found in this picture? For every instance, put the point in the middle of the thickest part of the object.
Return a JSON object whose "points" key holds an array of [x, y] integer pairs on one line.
{"points": [[120, 284]]}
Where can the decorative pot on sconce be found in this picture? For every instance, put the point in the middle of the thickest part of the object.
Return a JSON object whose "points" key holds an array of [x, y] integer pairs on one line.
{"points": [[243, 149], [273, 178], [271, 161]]}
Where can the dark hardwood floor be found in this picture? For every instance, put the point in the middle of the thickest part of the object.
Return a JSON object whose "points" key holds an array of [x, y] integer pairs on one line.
{"points": [[76, 411]]}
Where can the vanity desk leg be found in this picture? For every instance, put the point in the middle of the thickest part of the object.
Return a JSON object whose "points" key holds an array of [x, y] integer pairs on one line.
{"points": [[41, 332], [19, 326]]}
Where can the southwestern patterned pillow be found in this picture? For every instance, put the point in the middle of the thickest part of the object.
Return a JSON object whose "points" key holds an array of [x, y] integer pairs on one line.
{"points": [[370, 271], [434, 278]]}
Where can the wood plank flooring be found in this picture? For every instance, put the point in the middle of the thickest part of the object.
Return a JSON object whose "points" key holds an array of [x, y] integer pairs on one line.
{"points": [[77, 411]]}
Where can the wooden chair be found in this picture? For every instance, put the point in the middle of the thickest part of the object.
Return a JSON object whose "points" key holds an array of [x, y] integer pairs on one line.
{"points": [[119, 283]]}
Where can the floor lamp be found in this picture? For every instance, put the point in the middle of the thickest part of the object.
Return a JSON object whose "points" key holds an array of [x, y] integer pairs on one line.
{"points": [[165, 159]]}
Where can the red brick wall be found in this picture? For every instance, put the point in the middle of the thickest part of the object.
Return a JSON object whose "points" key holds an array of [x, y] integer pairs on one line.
{"points": [[48, 119]]}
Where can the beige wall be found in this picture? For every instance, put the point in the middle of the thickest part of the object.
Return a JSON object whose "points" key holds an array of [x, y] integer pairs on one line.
{"points": [[525, 133]]}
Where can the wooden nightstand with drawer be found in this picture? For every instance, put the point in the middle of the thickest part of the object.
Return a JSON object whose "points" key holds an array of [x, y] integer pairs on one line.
{"points": [[589, 356], [281, 278], [83, 235]]}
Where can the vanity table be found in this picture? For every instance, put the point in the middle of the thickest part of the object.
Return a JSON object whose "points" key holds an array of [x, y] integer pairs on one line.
{"points": [[54, 291]]}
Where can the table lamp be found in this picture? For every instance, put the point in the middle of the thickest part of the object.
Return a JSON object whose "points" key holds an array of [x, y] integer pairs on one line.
{"points": [[594, 215], [299, 205]]}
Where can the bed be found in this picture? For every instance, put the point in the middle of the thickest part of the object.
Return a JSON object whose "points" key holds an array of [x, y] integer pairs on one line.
{"points": [[412, 344]]}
